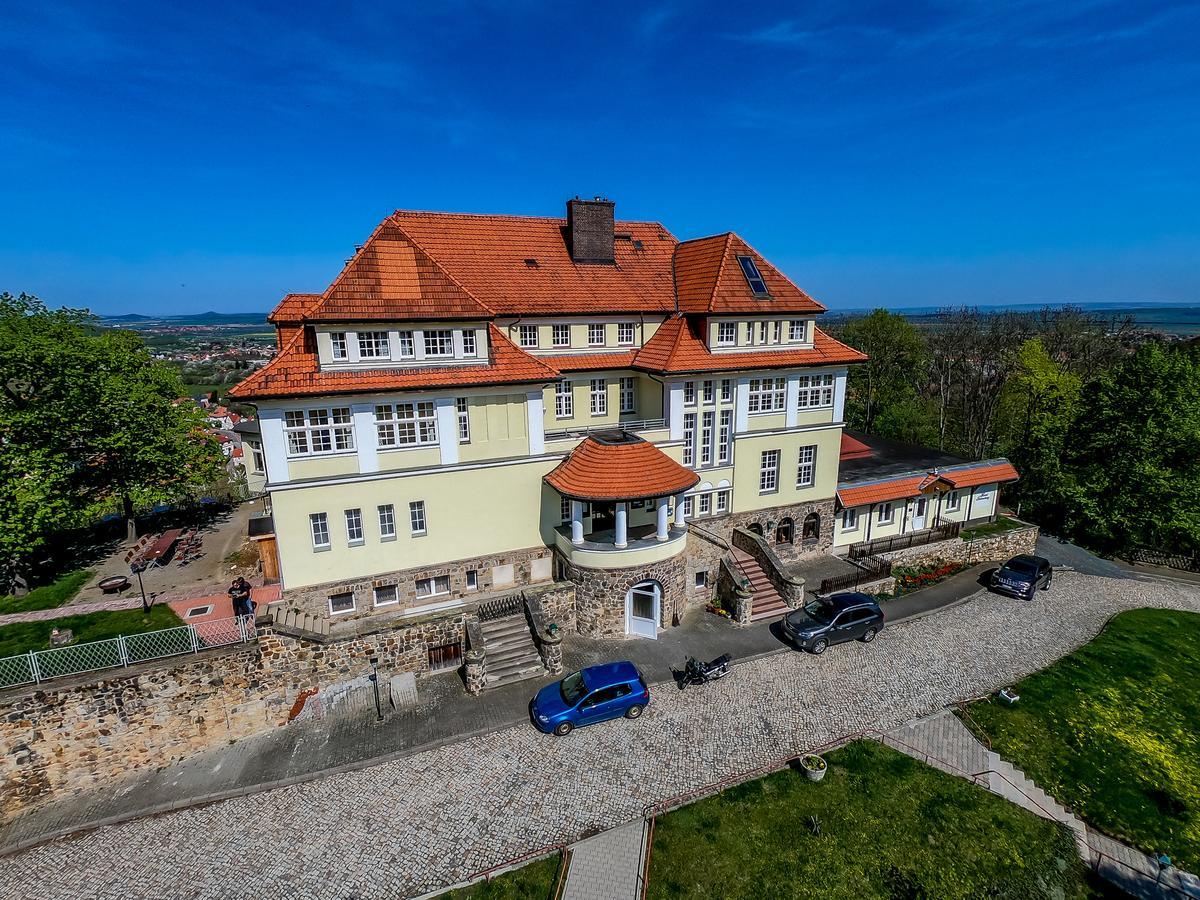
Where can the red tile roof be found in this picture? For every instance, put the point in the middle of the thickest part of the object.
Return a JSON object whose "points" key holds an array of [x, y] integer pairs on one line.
{"points": [[852, 448], [294, 373], [986, 473], [629, 469], [709, 279], [590, 362], [678, 347], [293, 308], [880, 491]]}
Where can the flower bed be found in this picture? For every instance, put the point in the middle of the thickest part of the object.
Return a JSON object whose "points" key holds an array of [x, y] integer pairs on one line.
{"points": [[913, 578]]}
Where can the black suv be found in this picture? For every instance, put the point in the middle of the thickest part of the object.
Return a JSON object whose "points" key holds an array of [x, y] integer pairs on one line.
{"points": [[831, 620], [1022, 575]]}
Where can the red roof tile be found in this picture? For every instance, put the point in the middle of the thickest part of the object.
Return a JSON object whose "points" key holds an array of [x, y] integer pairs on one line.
{"points": [[678, 347], [985, 473], [852, 448], [590, 362], [293, 308], [880, 491], [628, 469], [906, 486], [709, 279], [294, 373]]}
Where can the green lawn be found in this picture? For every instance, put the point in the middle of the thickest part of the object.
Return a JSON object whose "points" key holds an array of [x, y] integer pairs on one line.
{"points": [[25, 636], [1113, 731], [889, 827], [1002, 524], [48, 596], [534, 881]]}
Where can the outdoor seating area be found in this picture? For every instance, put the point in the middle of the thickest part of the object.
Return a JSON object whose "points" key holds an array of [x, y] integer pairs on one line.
{"points": [[179, 545]]}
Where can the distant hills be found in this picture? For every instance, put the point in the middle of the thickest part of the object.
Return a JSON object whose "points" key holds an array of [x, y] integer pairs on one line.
{"points": [[204, 318]]}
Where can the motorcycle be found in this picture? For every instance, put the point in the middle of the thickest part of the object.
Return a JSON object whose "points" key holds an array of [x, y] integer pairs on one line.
{"points": [[697, 672]]}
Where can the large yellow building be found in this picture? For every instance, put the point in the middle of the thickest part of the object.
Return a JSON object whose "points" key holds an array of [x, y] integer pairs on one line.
{"points": [[482, 403]]}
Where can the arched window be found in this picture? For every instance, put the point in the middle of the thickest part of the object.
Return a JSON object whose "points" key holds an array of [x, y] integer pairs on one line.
{"points": [[756, 528], [812, 526], [785, 533]]}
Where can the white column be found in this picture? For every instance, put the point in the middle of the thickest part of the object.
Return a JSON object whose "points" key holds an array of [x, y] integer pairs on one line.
{"points": [[270, 422], [663, 527], [622, 529], [674, 413], [792, 400], [741, 400], [456, 343], [366, 437], [576, 521], [680, 516], [535, 409], [418, 343], [447, 423], [352, 354], [839, 396]]}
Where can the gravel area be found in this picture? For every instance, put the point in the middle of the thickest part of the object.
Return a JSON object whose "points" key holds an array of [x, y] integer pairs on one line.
{"points": [[406, 827]]}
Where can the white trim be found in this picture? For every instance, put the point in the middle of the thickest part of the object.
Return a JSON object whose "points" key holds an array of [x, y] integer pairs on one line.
{"points": [[674, 412], [536, 413], [274, 443], [791, 400], [366, 437], [741, 405], [446, 411], [428, 470], [797, 430], [839, 395]]}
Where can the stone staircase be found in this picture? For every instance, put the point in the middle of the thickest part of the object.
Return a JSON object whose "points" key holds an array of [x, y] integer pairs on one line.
{"points": [[767, 602], [1009, 782], [510, 653]]}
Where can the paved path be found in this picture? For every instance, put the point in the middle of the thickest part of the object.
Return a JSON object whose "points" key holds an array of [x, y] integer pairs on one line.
{"points": [[197, 596], [437, 817], [608, 866], [943, 741]]}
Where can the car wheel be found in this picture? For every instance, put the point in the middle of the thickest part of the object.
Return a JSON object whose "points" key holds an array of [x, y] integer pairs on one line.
{"points": [[869, 635], [819, 647], [1049, 578], [562, 729], [634, 711]]}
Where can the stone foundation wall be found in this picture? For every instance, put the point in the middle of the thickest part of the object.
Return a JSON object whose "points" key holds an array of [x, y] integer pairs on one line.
{"points": [[724, 526], [993, 548], [314, 599], [600, 593]]}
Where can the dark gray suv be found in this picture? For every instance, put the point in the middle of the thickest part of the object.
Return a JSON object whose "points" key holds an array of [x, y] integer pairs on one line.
{"points": [[832, 620]]}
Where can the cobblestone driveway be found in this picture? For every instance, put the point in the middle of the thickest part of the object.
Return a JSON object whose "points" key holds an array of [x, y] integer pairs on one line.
{"points": [[408, 826]]}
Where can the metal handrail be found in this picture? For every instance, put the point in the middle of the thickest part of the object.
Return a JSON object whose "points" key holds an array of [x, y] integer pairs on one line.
{"points": [[585, 430]]}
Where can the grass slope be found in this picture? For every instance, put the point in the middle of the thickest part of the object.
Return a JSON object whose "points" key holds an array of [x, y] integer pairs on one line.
{"points": [[890, 827], [25, 636], [534, 881], [1113, 731], [48, 596]]}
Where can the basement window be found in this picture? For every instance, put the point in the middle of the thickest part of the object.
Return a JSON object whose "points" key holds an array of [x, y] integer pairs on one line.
{"points": [[753, 276]]}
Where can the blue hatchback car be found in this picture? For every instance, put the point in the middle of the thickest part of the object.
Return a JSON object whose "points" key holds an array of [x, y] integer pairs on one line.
{"points": [[590, 695]]}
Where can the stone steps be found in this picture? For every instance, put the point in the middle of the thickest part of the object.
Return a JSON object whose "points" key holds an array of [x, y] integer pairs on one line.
{"points": [[510, 653], [1014, 785], [767, 602]]}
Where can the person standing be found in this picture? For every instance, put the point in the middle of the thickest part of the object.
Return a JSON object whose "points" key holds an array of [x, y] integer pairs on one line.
{"points": [[240, 592]]}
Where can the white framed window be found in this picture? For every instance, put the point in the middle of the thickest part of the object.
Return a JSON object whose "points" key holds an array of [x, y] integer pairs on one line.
{"points": [[886, 513], [564, 400], [387, 521], [687, 507], [258, 460], [725, 439], [599, 397], [762, 332], [726, 390], [628, 395], [433, 587], [439, 342], [709, 393], [406, 424], [777, 332], [468, 341], [318, 524], [952, 501], [849, 519], [595, 335], [564, 509], [416, 517], [767, 395], [689, 393], [341, 603], [528, 335], [386, 595], [689, 439], [705, 504], [462, 409], [337, 345], [625, 333], [472, 579], [722, 501], [796, 330], [407, 347], [560, 335], [701, 579], [768, 472], [806, 471], [749, 332], [706, 438], [316, 431], [815, 390], [354, 526], [726, 334], [373, 345]]}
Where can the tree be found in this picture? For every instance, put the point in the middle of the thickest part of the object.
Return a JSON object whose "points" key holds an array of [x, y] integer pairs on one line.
{"points": [[882, 396], [88, 418]]}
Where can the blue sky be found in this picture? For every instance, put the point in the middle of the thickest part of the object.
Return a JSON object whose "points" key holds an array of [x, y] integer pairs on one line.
{"points": [[157, 158]]}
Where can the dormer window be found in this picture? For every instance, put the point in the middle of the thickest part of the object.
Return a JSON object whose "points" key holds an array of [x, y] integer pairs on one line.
{"points": [[595, 335], [469, 342], [439, 342], [753, 277], [561, 335], [407, 348], [726, 334], [797, 329], [373, 345], [528, 335], [337, 344]]}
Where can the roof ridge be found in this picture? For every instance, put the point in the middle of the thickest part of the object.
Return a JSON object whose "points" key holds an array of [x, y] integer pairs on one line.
{"points": [[494, 331], [529, 216], [439, 266], [260, 373], [721, 269]]}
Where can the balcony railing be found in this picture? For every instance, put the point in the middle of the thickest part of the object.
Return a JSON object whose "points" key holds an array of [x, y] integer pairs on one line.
{"points": [[584, 431], [904, 541]]}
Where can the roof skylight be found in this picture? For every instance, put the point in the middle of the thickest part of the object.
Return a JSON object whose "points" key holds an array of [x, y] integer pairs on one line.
{"points": [[753, 276]]}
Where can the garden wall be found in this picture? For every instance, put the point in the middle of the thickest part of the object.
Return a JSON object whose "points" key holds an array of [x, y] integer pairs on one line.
{"points": [[989, 548]]}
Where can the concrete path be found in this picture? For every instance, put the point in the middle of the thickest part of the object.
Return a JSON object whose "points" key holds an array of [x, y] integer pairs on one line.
{"points": [[943, 741], [438, 817], [198, 596], [608, 866]]}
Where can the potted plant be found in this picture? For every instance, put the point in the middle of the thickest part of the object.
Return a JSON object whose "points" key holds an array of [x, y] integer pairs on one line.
{"points": [[814, 766], [1009, 696]]}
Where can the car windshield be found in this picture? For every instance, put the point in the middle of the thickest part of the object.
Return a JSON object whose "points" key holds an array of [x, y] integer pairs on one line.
{"points": [[819, 610], [1021, 567], [572, 688]]}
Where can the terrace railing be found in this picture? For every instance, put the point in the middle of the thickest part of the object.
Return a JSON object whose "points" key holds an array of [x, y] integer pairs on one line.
{"points": [[1150, 556], [870, 568], [942, 532], [585, 430], [37, 666]]}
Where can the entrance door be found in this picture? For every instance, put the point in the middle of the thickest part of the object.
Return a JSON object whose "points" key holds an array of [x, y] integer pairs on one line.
{"points": [[643, 604], [918, 519]]}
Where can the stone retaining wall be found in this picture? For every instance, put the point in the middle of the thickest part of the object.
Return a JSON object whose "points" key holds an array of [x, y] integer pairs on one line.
{"points": [[600, 593], [991, 548]]}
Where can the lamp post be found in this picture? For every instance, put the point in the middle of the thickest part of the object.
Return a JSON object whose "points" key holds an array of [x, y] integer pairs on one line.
{"points": [[374, 676], [141, 587]]}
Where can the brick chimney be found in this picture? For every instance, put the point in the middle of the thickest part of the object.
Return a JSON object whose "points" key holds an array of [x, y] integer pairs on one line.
{"points": [[590, 230]]}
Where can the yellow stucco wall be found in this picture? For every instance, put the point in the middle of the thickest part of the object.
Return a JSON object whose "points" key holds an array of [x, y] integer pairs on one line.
{"points": [[747, 456]]}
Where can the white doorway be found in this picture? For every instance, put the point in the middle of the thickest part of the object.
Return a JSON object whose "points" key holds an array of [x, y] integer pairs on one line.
{"points": [[643, 605], [918, 519]]}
